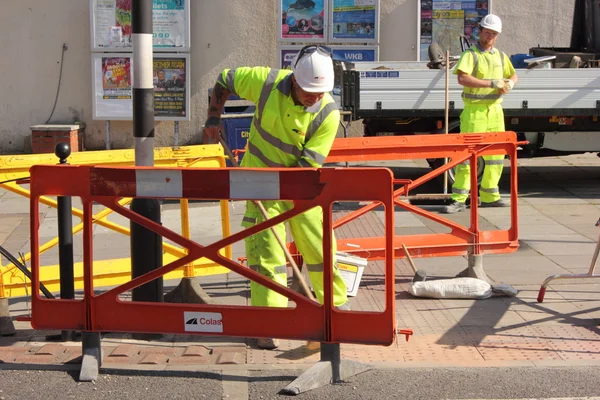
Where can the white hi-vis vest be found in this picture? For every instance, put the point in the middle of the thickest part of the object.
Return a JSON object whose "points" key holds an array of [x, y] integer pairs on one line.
{"points": [[282, 134]]}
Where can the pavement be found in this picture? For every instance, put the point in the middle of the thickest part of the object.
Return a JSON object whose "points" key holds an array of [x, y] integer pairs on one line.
{"points": [[559, 203]]}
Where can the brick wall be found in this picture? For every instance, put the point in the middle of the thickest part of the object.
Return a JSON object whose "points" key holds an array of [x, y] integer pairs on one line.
{"points": [[44, 138]]}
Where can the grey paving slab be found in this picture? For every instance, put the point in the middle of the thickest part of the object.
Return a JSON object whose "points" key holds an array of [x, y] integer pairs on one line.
{"points": [[551, 244]]}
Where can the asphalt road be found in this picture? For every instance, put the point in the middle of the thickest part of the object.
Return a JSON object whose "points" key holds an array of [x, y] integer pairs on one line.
{"points": [[404, 383]]}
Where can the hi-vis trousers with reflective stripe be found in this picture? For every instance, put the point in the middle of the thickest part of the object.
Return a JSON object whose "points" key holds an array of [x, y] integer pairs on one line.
{"points": [[266, 256], [478, 119]]}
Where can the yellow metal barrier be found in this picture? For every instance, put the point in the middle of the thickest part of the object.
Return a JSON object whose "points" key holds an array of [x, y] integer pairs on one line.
{"points": [[110, 272]]}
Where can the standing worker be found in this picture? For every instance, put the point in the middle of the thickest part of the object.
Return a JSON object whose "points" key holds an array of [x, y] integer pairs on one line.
{"points": [[294, 125], [485, 74]]}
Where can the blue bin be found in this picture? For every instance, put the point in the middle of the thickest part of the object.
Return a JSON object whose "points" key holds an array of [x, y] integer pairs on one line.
{"points": [[236, 131], [518, 60], [236, 120]]}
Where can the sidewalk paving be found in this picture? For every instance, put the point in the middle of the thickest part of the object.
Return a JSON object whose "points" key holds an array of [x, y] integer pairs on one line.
{"points": [[559, 202]]}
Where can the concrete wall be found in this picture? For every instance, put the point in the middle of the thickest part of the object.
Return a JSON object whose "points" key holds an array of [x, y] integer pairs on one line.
{"points": [[34, 31]]}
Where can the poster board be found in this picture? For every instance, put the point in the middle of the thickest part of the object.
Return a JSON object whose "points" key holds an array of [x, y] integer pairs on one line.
{"points": [[302, 21], [354, 21], [110, 22], [286, 54], [112, 79], [445, 21]]}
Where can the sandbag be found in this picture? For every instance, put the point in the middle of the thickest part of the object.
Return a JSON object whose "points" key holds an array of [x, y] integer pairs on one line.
{"points": [[456, 288]]}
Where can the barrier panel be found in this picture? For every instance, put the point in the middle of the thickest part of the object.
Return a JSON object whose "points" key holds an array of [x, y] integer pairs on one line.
{"points": [[14, 173], [459, 148], [307, 188]]}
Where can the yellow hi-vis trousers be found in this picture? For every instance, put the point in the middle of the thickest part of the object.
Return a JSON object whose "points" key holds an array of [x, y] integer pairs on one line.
{"points": [[266, 256], [480, 119]]}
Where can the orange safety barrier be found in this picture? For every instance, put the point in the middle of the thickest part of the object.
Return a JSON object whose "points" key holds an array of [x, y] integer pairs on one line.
{"points": [[458, 148], [307, 188]]}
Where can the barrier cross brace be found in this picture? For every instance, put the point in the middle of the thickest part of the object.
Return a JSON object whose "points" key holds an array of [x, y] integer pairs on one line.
{"points": [[307, 188]]}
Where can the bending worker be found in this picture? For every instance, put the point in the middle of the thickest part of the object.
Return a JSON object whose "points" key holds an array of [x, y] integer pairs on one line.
{"points": [[294, 125], [485, 74]]}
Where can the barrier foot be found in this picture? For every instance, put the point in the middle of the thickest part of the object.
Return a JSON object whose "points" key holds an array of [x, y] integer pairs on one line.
{"points": [[331, 369], [475, 268], [7, 326], [188, 291], [92, 356]]}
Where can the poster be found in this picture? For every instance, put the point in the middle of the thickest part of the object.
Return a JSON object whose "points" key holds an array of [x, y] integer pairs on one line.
{"points": [[302, 20], [112, 79], [444, 22], [116, 78], [287, 54], [354, 20], [170, 97], [111, 25]]}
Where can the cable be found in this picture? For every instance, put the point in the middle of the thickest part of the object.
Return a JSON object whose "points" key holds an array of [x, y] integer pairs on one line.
{"points": [[62, 58], [14, 180], [24, 270]]}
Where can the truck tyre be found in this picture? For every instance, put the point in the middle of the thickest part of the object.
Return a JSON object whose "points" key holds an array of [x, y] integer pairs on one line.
{"points": [[435, 163]]}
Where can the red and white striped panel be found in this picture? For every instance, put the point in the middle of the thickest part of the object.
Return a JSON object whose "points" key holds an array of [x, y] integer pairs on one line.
{"points": [[205, 183]]}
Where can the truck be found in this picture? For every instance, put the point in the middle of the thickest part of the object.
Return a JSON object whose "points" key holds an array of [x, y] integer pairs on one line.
{"points": [[554, 107]]}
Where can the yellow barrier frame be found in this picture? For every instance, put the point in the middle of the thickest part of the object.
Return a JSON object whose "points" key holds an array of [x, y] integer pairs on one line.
{"points": [[13, 282]]}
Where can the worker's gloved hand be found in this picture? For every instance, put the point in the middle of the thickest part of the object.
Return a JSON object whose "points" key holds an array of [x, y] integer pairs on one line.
{"points": [[212, 127], [498, 83], [508, 86]]}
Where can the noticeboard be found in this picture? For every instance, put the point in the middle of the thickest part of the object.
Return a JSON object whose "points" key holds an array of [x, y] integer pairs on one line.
{"points": [[112, 78], [287, 54], [110, 22], [444, 22], [303, 21], [354, 21]]}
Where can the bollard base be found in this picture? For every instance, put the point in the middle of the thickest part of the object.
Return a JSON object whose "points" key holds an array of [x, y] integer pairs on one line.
{"points": [[7, 326], [475, 268], [321, 374], [188, 291], [92, 357]]}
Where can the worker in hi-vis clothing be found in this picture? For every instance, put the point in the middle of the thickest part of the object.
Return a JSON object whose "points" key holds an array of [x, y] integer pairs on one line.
{"points": [[485, 74], [294, 125]]}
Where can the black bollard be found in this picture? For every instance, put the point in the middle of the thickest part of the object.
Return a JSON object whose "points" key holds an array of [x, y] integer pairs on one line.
{"points": [[65, 240]]}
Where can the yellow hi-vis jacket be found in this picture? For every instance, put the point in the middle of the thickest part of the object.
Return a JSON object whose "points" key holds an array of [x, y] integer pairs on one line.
{"points": [[282, 134], [492, 64]]}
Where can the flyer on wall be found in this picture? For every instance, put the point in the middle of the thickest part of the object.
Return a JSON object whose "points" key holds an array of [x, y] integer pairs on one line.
{"points": [[303, 19], [354, 20], [170, 97], [116, 78], [111, 24], [444, 22]]}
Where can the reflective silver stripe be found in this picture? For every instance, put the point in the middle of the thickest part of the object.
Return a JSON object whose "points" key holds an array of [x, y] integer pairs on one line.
{"points": [[285, 86], [249, 220], [276, 142], [344, 307], [475, 62], [494, 190], [315, 267], [494, 162], [502, 55], [252, 149], [304, 163], [492, 96], [264, 271], [266, 91], [314, 156], [319, 119], [468, 162], [459, 191]]}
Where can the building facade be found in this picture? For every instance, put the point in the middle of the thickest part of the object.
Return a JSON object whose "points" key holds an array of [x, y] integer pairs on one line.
{"points": [[224, 34]]}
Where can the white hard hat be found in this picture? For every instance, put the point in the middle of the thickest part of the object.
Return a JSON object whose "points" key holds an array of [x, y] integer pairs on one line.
{"points": [[313, 69], [492, 22]]}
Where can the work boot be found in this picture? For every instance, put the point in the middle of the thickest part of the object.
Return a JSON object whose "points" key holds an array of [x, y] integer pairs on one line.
{"points": [[267, 343], [497, 203], [454, 207]]}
